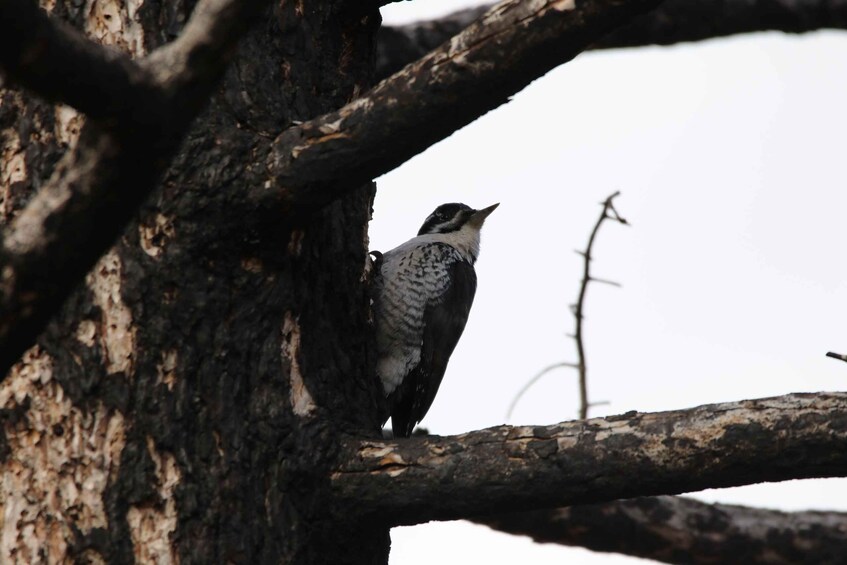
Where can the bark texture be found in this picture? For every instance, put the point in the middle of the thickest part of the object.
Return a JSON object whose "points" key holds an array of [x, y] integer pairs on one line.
{"points": [[183, 404], [120, 154], [683, 530], [206, 392], [597, 460], [674, 21]]}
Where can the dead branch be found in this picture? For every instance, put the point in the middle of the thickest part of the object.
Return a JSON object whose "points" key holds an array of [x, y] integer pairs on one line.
{"points": [[507, 469], [674, 529], [513, 44], [834, 355], [60, 64], [675, 21], [99, 184], [609, 212]]}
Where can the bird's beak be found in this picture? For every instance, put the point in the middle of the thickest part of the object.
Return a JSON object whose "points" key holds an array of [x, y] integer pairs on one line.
{"points": [[479, 216]]}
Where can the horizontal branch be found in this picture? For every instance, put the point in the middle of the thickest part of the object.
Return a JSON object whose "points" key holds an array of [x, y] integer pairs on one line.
{"points": [[478, 70], [675, 529], [506, 469], [675, 21], [60, 64], [101, 182]]}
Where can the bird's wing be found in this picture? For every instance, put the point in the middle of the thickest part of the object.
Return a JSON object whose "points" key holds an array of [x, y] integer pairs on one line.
{"points": [[444, 319]]}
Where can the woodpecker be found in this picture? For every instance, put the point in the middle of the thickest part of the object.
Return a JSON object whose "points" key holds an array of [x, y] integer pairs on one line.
{"points": [[423, 293]]}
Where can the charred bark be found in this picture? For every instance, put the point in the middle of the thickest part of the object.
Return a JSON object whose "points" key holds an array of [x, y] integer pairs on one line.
{"points": [[195, 396], [675, 21], [517, 468], [475, 72], [144, 110], [674, 529], [189, 394]]}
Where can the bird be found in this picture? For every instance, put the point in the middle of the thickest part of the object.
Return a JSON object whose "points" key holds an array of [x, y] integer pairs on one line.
{"points": [[424, 290]]}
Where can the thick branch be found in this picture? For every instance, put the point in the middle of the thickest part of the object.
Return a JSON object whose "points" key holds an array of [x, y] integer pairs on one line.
{"points": [[676, 21], [98, 185], [59, 63], [674, 529], [507, 469], [495, 57]]}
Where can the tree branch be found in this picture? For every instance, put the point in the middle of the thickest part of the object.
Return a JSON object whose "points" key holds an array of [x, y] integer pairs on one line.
{"points": [[100, 183], [495, 57], [60, 64], [675, 529], [840, 356], [675, 21], [609, 212], [506, 469]]}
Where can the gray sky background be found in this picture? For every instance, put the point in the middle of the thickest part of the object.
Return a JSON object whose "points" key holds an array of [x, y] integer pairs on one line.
{"points": [[730, 156]]}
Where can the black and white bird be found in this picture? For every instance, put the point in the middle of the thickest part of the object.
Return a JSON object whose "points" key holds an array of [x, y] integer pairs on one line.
{"points": [[424, 291]]}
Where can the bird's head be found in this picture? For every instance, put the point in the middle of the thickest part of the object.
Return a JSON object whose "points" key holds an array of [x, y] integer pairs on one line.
{"points": [[453, 217]]}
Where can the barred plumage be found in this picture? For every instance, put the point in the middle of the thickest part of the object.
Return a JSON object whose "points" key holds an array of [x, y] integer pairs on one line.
{"points": [[424, 291]]}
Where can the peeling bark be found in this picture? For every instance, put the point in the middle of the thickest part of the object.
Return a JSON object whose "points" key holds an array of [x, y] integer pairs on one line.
{"points": [[57, 463], [116, 332], [683, 530], [508, 468], [152, 524]]}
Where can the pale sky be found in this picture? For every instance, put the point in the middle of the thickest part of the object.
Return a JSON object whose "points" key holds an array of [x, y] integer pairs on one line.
{"points": [[730, 157]]}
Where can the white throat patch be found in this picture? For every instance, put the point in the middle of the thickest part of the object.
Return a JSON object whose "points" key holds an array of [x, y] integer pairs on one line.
{"points": [[465, 241]]}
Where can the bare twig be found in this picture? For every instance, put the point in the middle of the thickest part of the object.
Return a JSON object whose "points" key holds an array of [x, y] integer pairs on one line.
{"points": [[609, 213], [836, 355], [534, 380]]}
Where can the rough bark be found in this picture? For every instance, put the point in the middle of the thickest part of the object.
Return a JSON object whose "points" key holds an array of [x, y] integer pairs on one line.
{"points": [[674, 529], [183, 404], [674, 21], [191, 399], [58, 63], [508, 468], [307, 166], [116, 161]]}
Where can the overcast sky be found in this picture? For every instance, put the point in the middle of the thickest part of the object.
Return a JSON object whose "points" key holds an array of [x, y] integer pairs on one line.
{"points": [[730, 157]]}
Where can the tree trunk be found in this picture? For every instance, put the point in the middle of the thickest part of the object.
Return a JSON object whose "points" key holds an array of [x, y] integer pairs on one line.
{"points": [[206, 394], [185, 405]]}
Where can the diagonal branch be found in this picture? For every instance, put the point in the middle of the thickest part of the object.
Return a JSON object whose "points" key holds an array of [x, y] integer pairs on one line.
{"points": [[513, 44], [100, 183], [507, 469], [675, 21], [675, 529], [60, 64], [840, 356]]}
